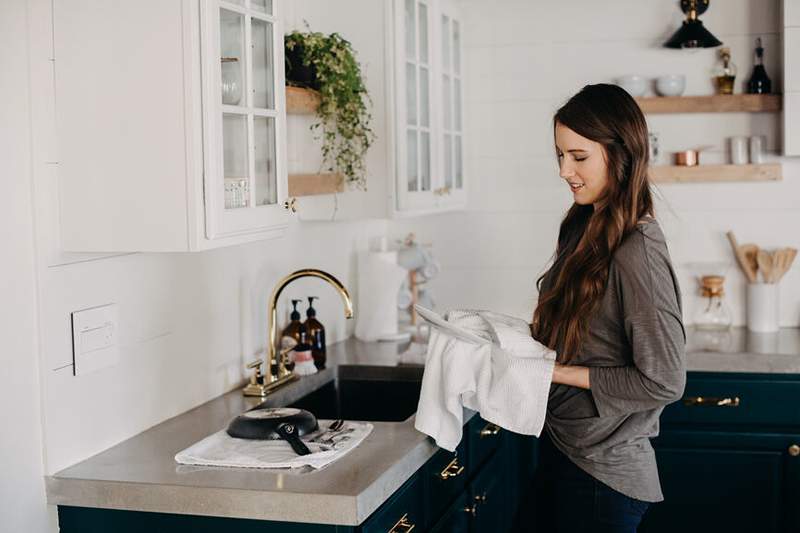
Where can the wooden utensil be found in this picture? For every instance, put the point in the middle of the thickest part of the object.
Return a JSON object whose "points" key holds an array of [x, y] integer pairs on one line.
{"points": [[782, 262], [744, 264], [751, 253], [765, 265]]}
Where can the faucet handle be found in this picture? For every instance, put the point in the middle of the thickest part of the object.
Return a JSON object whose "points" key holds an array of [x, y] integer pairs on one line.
{"points": [[255, 378]]}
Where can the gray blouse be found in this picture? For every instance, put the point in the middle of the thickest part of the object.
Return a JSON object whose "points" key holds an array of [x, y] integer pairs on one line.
{"points": [[635, 351]]}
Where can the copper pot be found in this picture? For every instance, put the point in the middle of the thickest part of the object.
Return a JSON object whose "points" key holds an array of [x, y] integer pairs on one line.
{"points": [[687, 158]]}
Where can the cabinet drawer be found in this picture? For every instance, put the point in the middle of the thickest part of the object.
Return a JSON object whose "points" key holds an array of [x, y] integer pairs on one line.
{"points": [[457, 517], [488, 499], [737, 400], [445, 477], [403, 510], [484, 438]]}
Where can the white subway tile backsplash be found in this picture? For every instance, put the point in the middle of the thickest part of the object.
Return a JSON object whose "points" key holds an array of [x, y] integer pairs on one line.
{"points": [[526, 59]]}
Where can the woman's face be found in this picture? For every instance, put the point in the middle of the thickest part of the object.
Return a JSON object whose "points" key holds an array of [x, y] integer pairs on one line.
{"points": [[582, 164]]}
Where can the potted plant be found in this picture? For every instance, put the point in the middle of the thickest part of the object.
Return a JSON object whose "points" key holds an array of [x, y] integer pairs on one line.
{"points": [[327, 64]]}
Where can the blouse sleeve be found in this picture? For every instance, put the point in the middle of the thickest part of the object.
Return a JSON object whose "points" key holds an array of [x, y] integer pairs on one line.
{"points": [[650, 305]]}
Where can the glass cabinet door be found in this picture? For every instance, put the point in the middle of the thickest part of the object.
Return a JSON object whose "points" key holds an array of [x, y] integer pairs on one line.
{"points": [[428, 105], [243, 104], [415, 121]]}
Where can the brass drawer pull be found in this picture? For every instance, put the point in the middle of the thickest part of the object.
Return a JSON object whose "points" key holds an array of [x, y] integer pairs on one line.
{"points": [[480, 498], [490, 430], [711, 401], [472, 510], [451, 470], [794, 450], [402, 525]]}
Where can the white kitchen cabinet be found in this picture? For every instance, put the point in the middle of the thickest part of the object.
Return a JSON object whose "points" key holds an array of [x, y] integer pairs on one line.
{"points": [[170, 124], [791, 78], [427, 66]]}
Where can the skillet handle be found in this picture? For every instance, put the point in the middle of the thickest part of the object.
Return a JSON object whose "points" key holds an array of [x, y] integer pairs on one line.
{"points": [[289, 433]]}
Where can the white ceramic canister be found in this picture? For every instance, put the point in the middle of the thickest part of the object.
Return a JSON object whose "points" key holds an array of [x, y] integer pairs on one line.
{"points": [[737, 147], [763, 307]]}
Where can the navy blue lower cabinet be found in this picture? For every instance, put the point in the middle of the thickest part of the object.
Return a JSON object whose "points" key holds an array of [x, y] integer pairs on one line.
{"points": [[722, 481], [457, 517], [88, 520], [445, 475], [489, 501], [402, 512]]}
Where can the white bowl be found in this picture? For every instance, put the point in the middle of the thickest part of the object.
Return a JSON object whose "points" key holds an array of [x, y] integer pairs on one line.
{"points": [[671, 84], [635, 85]]}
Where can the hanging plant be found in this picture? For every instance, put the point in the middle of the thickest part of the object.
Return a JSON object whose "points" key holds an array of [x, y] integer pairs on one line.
{"points": [[327, 63]]}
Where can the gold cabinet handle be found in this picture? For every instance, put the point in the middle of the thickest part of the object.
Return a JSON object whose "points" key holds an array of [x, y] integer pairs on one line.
{"points": [[290, 205], [711, 401], [480, 498], [402, 525], [794, 450], [471, 510], [490, 430], [451, 470]]}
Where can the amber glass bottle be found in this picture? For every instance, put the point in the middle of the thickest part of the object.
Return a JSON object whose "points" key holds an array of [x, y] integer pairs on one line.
{"points": [[316, 334]]}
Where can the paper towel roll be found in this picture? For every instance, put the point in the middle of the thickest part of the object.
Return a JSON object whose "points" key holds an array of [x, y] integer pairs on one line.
{"points": [[379, 279]]}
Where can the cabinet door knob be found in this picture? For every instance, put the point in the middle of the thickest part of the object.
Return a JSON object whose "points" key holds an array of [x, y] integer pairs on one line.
{"points": [[472, 510], [451, 470], [794, 450], [290, 205], [402, 525]]}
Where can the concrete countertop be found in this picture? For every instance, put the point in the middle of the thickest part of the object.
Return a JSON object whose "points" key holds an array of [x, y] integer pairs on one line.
{"points": [[140, 474]]}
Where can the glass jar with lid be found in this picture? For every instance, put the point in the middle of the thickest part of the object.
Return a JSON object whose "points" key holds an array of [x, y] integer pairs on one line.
{"points": [[713, 314]]}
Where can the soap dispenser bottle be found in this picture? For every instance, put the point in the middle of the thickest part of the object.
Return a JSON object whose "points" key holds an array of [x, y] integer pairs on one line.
{"points": [[292, 330], [290, 336], [315, 334]]}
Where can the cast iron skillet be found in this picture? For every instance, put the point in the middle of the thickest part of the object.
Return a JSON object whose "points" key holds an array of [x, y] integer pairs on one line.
{"points": [[275, 423]]}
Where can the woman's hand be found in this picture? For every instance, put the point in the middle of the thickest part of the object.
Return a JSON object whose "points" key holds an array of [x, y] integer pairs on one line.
{"points": [[576, 376]]}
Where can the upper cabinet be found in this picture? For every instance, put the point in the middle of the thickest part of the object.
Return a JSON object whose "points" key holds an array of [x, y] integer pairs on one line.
{"points": [[428, 121], [791, 78], [170, 124]]}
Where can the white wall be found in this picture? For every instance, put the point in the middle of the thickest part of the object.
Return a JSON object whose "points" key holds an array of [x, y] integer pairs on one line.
{"points": [[22, 501], [525, 59]]}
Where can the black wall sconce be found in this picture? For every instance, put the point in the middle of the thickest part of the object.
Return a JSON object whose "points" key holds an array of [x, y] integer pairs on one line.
{"points": [[692, 33]]}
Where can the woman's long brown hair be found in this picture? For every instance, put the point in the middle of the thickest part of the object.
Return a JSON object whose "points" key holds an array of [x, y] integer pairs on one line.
{"points": [[589, 235]]}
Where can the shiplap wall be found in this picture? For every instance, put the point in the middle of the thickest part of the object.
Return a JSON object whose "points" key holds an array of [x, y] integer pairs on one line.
{"points": [[524, 59]]}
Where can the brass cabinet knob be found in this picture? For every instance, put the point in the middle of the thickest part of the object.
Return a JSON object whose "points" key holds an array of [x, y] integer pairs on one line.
{"points": [[490, 430], [451, 470], [794, 450], [402, 525], [711, 401], [472, 510], [290, 205]]}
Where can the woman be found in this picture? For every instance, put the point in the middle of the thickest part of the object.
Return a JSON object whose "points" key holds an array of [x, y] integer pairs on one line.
{"points": [[610, 307]]}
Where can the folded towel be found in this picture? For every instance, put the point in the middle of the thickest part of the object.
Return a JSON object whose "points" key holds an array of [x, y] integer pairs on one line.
{"points": [[507, 380], [220, 449]]}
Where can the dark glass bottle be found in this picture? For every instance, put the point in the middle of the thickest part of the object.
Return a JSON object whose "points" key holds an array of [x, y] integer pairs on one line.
{"points": [[316, 334], [292, 331], [759, 82]]}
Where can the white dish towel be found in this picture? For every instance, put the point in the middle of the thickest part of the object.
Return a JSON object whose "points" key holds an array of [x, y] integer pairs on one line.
{"points": [[507, 380], [220, 449]]}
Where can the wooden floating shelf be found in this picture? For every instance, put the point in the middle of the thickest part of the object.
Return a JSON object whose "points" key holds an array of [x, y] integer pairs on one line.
{"points": [[300, 101], [711, 173], [311, 184], [718, 103]]}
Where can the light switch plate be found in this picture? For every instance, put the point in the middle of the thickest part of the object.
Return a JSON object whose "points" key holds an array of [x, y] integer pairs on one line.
{"points": [[94, 339]]}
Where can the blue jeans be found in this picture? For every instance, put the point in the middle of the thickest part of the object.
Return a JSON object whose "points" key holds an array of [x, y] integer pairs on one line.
{"points": [[565, 499]]}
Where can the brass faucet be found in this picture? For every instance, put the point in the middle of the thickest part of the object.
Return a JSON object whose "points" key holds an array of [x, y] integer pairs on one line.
{"points": [[276, 373]]}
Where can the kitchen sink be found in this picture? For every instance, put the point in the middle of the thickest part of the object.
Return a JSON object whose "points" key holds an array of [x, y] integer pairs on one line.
{"points": [[369, 393]]}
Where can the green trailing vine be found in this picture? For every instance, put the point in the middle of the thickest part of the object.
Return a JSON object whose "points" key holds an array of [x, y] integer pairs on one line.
{"points": [[344, 115]]}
